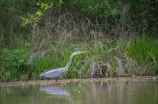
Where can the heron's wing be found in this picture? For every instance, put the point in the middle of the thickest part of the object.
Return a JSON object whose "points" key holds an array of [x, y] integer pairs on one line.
{"points": [[56, 73]]}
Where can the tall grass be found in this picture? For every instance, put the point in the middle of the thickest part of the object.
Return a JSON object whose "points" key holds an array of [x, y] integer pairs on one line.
{"points": [[130, 56], [126, 57], [143, 50]]}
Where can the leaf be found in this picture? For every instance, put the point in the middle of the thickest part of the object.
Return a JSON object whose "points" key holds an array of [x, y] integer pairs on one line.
{"points": [[60, 1]]}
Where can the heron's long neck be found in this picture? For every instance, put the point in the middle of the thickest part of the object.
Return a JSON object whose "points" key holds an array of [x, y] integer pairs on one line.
{"points": [[69, 63]]}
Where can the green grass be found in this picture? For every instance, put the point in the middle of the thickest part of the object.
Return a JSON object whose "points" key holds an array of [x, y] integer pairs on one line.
{"points": [[145, 48], [144, 51], [130, 56]]}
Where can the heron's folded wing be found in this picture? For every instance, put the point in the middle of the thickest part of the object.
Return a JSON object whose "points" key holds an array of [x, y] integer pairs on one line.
{"points": [[53, 73]]}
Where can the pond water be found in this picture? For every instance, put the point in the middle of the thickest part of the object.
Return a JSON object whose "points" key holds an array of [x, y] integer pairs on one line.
{"points": [[110, 92]]}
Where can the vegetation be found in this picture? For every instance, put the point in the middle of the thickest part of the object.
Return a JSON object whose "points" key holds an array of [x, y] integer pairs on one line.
{"points": [[119, 36]]}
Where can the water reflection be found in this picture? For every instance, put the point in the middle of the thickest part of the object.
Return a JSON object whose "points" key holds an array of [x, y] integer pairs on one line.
{"points": [[57, 92], [110, 92], [115, 92]]}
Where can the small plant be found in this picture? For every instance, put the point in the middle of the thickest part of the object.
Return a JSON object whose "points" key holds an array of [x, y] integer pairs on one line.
{"points": [[15, 62], [34, 18]]}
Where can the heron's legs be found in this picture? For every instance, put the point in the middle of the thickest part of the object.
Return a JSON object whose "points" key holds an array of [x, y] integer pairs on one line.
{"points": [[56, 81]]}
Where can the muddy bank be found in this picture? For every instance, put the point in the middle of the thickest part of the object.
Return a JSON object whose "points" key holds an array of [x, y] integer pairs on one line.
{"points": [[64, 81]]}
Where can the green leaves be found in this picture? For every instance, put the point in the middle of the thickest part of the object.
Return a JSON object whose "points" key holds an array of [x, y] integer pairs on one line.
{"points": [[44, 6], [34, 18], [15, 57], [16, 61]]}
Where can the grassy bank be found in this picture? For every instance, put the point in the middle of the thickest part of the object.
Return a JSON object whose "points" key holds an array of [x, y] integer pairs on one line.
{"points": [[37, 37], [124, 57]]}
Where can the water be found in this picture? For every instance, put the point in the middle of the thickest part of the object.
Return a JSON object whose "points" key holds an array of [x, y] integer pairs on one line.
{"points": [[111, 92]]}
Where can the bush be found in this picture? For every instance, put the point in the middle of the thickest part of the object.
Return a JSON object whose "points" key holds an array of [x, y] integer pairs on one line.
{"points": [[15, 63]]}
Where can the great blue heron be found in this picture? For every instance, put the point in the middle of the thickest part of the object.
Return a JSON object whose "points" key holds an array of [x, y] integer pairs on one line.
{"points": [[56, 73]]}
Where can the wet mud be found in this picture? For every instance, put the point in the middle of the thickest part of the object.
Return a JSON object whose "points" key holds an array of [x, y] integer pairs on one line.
{"points": [[64, 81]]}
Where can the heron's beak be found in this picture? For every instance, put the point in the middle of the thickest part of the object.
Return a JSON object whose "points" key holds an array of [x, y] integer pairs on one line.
{"points": [[83, 52]]}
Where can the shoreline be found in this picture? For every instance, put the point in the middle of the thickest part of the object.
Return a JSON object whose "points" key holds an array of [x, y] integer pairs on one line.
{"points": [[64, 81]]}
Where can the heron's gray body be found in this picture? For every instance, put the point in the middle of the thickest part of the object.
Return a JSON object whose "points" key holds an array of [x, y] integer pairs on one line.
{"points": [[56, 73]]}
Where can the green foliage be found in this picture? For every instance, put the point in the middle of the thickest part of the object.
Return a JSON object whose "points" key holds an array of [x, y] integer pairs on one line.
{"points": [[15, 62], [44, 6], [144, 47], [101, 9], [144, 14], [36, 17], [144, 51]]}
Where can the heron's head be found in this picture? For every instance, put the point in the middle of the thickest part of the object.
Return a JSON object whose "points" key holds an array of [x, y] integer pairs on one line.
{"points": [[79, 52]]}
